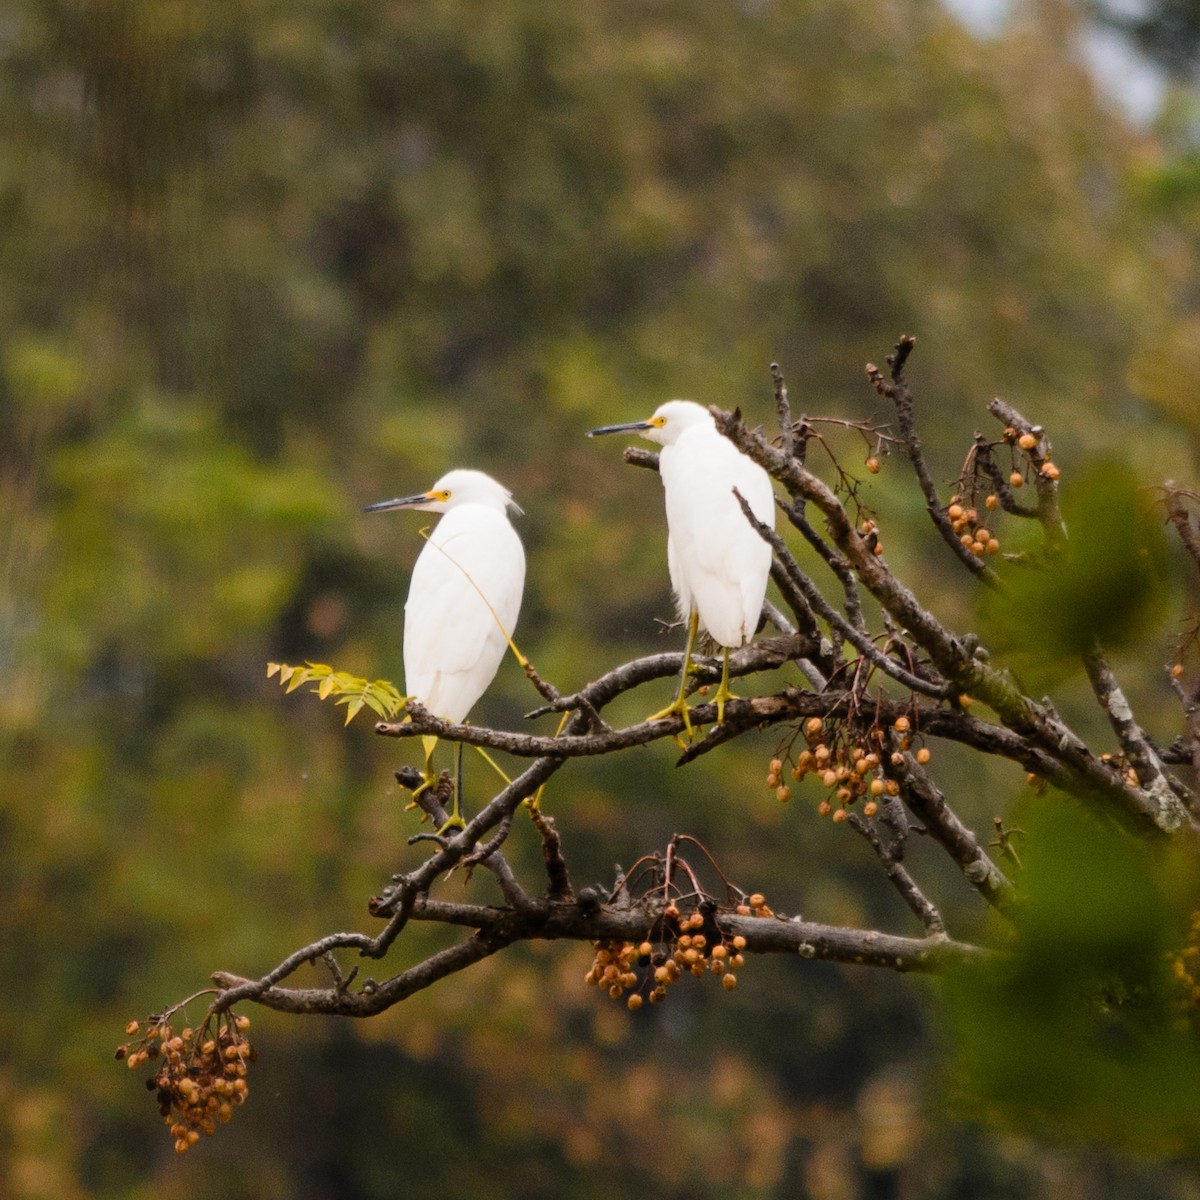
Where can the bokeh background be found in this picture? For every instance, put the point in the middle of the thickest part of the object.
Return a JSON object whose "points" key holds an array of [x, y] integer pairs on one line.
{"points": [[263, 263]]}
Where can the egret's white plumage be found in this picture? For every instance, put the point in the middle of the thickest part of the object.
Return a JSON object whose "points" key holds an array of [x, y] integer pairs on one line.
{"points": [[717, 562], [465, 592], [464, 596]]}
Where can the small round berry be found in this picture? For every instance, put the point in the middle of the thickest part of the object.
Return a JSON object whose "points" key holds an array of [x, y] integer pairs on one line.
{"points": [[1050, 471], [870, 808], [728, 981], [783, 793], [739, 942], [923, 756], [812, 727], [757, 900], [824, 808], [876, 787], [132, 1027], [1016, 479], [992, 503], [901, 724], [954, 512], [1027, 441], [873, 465], [993, 546], [839, 816], [634, 1002], [776, 765], [1176, 671]]}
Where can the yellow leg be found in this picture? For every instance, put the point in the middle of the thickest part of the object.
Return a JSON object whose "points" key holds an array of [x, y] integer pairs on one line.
{"points": [[678, 706], [491, 762], [429, 744], [723, 692], [454, 821]]}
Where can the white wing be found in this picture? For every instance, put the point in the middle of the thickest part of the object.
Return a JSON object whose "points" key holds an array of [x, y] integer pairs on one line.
{"points": [[683, 594], [718, 557], [453, 641]]}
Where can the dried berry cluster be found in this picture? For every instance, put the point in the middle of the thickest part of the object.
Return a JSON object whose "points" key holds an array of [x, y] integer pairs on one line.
{"points": [[848, 764], [1029, 443], [964, 522], [695, 946], [201, 1075]]}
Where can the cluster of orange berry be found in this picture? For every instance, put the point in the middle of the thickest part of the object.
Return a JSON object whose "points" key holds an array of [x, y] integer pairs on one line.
{"points": [[1028, 442], [1185, 968], [850, 767], [622, 967], [201, 1078], [965, 523]]}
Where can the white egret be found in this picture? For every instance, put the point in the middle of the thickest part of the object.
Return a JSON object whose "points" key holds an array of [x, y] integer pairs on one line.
{"points": [[463, 599], [717, 562]]}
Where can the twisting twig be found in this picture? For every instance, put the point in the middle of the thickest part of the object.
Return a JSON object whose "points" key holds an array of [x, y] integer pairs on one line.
{"points": [[497, 928], [784, 411], [897, 391], [951, 656], [1179, 516], [1044, 481], [556, 865], [812, 595], [891, 860], [836, 563]]}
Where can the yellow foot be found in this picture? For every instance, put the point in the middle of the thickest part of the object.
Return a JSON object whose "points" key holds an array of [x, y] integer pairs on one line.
{"points": [[453, 821], [678, 707], [427, 781], [723, 694]]}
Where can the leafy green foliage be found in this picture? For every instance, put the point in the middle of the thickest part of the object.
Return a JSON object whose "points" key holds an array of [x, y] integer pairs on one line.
{"points": [[1083, 1006], [1106, 584], [379, 696]]}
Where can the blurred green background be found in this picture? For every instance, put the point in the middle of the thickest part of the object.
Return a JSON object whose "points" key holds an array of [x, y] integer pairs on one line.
{"points": [[262, 263]]}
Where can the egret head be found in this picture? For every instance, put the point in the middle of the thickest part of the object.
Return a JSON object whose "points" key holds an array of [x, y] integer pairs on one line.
{"points": [[460, 486], [667, 423]]}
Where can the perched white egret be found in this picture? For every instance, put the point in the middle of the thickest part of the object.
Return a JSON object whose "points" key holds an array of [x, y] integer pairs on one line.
{"points": [[463, 599], [717, 562]]}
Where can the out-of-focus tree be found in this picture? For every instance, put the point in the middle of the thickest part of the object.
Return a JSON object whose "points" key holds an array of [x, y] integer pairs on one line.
{"points": [[264, 263]]}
